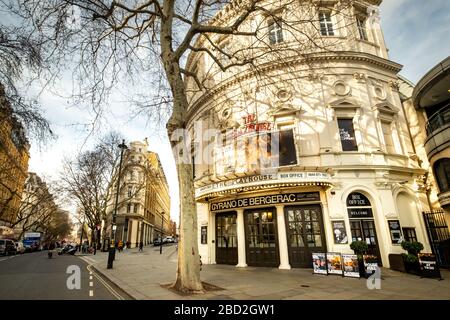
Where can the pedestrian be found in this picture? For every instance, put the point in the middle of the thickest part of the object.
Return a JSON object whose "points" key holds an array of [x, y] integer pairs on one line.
{"points": [[120, 245], [141, 245]]}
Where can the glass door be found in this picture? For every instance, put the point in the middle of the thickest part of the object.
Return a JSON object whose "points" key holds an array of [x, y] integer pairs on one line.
{"points": [[226, 238], [261, 238]]}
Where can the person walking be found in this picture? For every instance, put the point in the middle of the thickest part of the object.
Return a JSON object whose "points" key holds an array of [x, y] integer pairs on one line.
{"points": [[141, 245], [120, 245]]}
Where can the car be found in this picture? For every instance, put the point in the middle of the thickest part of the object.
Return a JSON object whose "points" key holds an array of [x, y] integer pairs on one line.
{"points": [[168, 239], [7, 247], [157, 242], [20, 248]]}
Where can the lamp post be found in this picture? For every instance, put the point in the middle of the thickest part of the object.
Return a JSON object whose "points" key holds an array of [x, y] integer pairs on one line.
{"points": [[162, 231], [112, 246]]}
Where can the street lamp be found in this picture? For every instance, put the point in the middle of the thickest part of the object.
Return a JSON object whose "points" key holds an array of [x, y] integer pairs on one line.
{"points": [[112, 246], [162, 230]]}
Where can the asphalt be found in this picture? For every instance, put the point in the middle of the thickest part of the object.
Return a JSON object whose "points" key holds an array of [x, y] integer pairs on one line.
{"points": [[34, 276]]}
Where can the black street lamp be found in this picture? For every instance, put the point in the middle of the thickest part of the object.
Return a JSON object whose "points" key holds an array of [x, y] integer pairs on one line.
{"points": [[112, 246], [162, 232]]}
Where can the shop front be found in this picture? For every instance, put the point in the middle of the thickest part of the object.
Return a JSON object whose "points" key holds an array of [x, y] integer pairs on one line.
{"points": [[279, 230]]}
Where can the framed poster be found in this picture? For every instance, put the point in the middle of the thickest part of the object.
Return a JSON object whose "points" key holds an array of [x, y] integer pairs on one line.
{"points": [[319, 263], [395, 231], [339, 232], [334, 263], [429, 266], [204, 234], [370, 264], [350, 262]]}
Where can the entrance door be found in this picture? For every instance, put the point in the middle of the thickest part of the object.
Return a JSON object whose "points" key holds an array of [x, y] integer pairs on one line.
{"points": [[304, 226], [364, 230], [226, 238], [261, 238]]}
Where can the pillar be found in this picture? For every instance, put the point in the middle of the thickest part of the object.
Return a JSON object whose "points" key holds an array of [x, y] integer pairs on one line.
{"points": [[242, 261], [282, 239]]}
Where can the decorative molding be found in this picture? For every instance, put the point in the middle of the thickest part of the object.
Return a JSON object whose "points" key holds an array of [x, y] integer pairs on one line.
{"points": [[360, 77]]}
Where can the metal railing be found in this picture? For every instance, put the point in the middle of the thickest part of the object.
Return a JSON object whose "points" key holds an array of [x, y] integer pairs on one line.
{"points": [[439, 119]]}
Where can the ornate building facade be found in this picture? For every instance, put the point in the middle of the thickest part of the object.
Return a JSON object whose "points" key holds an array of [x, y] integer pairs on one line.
{"points": [[14, 156], [144, 201], [313, 149]]}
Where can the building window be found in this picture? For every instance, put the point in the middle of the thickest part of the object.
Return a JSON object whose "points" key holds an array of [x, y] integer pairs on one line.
{"points": [[361, 23], [410, 234], [387, 135], [347, 135], [442, 174], [288, 155], [275, 31], [136, 207], [130, 191], [326, 26], [128, 207]]}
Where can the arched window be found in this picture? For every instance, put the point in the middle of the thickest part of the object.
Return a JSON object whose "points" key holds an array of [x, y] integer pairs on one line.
{"points": [[441, 170]]}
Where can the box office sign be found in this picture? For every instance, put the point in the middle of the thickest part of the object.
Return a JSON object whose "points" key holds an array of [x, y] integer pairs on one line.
{"points": [[265, 200]]}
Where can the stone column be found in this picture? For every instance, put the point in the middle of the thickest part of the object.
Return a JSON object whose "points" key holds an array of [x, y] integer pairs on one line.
{"points": [[242, 261], [282, 239]]}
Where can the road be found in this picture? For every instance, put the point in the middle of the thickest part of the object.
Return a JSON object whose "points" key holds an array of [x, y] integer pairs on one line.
{"points": [[35, 276]]}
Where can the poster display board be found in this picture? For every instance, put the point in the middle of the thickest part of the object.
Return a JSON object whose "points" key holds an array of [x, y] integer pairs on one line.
{"points": [[395, 231], [319, 263], [339, 232], [350, 262], [370, 264], [429, 266], [204, 234], [334, 263]]}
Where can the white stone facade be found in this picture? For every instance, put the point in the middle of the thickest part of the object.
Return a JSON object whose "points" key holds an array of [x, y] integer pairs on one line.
{"points": [[316, 100]]}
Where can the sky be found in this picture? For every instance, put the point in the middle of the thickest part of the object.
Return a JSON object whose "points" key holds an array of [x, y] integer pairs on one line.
{"points": [[417, 34]]}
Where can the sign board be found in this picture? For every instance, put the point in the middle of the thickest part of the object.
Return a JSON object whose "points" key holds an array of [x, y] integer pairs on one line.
{"points": [[319, 263], [204, 234], [395, 230], [370, 264], [429, 266], [334, 263], [265, 200], [357, 199], [32, 235], [360, 213], [350, 262], [263, 179]]}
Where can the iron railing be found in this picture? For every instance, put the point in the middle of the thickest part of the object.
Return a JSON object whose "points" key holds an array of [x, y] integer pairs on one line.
{"points": [[439, 236]]}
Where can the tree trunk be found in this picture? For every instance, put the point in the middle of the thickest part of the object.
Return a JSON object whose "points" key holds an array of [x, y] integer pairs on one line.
{"points": [[188, 272]]}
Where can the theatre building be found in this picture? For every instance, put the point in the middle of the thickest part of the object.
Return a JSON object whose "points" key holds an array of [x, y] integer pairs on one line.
{"points": [[307, 156]]}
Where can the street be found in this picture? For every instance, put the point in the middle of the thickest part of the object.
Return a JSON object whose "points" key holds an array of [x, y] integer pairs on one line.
{"points": [[35, 276]]}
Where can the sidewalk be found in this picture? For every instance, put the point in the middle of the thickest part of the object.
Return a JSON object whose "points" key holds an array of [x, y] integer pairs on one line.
{"points": [[141, 275]]}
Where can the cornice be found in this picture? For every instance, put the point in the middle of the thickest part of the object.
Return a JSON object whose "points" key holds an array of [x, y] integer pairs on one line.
{"points": [[294, 61]]}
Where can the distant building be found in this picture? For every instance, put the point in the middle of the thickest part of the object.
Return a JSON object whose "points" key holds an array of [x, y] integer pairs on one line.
{"points": [[37, 207], [14, 156], [144, 202], [173, 228]]}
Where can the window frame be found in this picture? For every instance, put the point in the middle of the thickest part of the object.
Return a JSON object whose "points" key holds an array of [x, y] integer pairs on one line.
{"points": [[361, 24], [406, 234], [275, 30], [326, 25], [356, 147]]}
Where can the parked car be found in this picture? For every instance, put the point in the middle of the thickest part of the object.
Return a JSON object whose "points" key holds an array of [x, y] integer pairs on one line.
{"points": [[7, 247], [20, 248], [168, 239], [157, 242]]}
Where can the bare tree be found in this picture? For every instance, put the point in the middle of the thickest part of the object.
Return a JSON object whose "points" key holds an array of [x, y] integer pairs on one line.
{"points": [[37, 206], [116, 40], [90, 180]]}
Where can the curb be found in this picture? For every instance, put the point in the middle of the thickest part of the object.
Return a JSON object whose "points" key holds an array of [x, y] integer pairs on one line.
{"points": [[114, 282]]}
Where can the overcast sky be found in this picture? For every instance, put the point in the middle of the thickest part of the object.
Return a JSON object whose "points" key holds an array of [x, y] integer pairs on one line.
{"points": [[416, 32]]}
